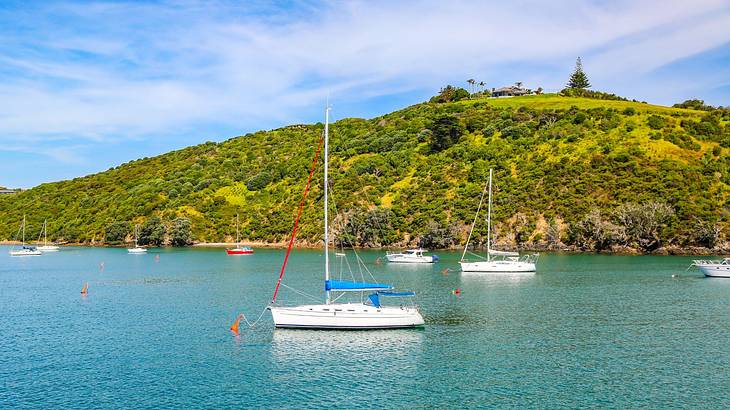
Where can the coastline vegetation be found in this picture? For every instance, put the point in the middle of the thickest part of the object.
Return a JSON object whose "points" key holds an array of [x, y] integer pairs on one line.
{"points": [[580, 170]]}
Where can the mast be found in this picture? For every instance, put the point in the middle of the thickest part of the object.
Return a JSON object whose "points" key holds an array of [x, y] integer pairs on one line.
{"points": [[326, 189], [238, 241], [489, 218], [135, 236], [23, 229], [45, 232]]}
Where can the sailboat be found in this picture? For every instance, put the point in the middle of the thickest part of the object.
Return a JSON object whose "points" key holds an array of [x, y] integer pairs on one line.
{"points": [[496, 261], [239, 250], [46, 247], [333, 315], [137, 248], [25, 250]]}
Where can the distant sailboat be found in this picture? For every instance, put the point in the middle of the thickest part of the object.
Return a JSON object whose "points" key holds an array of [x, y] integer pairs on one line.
{"points": [[332, 315], [46, 247], [137, 248], [24, 250], [496, 261], [239, 250]]}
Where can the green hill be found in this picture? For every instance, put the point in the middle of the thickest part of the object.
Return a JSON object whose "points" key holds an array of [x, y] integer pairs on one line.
{"points": [[569, 171]]}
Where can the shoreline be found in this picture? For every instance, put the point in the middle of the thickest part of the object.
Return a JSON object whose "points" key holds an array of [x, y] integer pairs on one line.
{"points": [[668, 250]]}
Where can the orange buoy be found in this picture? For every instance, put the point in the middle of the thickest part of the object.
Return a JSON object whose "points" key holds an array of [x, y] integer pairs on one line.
{"points": [[85, 289], [377, 261], [446, 271], [234, 326], [456, 291]]}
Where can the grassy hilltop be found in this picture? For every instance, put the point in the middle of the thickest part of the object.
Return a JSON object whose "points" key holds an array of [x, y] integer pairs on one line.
{"points": [[582, 172]]}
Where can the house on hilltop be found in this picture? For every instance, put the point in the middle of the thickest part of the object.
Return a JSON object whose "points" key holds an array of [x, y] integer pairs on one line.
{"points": [[511, 91], [7, 191]]}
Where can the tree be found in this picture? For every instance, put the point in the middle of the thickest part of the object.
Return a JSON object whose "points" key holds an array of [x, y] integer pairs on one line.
{"points": [[481, 86], [449, 94], [438, 236], [116, 232], [445, 132], [180, 232], [152, 232], [471, 82], [579, 79], [518, 84], [643, 223]]}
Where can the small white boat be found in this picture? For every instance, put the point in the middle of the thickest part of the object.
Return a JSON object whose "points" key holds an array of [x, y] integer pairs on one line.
{"points": [[24, 249], [496, 261], [714, 269], [411, 256], [137, 249], [46, 247], [332, 315]]}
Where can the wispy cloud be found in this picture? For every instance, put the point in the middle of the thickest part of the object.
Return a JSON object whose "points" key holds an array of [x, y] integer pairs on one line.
{"points": [[113, 71]]}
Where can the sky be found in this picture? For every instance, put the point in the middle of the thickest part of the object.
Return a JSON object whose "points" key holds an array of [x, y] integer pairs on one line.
{"points": [[85, 86]]}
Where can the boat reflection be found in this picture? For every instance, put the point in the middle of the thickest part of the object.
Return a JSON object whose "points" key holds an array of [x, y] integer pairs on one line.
{"points": [[305, 345]]}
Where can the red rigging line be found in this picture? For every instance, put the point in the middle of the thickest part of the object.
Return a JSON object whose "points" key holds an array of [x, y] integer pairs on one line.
{"points": [[296, 221]]}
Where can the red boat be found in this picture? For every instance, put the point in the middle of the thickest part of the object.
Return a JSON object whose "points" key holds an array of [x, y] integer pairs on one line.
{"points": [[239, 250], [245, 250]]}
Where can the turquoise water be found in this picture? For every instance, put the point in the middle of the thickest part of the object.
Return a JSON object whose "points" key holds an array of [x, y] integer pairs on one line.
{"points": [[588, 330]]}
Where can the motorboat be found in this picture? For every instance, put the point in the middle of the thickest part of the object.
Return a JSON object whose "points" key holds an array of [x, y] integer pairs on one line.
{"points": [[411, 256], [714, 268]]}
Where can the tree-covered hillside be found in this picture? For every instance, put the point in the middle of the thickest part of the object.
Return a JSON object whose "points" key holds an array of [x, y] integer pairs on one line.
{"points": [[569, 171]]}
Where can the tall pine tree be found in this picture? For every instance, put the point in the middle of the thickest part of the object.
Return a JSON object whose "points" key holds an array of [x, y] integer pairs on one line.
{"points": [[579, 79]]}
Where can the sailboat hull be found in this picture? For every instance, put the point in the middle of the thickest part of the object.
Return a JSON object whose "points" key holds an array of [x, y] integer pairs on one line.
{"points": [[48, 248], [350, 316], [498, 266], [26, 252], [239, 251]]}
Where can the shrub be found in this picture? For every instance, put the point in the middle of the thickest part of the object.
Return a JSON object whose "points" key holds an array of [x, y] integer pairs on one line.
{"points": [[116, 233]]}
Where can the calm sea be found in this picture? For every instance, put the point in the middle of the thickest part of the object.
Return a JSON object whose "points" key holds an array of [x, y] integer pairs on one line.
{"points": [[586, 331]]}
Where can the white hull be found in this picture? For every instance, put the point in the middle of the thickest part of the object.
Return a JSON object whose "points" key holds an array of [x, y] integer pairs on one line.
{"points": [[401, 258], [716, 271], [26, 252], [498, 266], [137, 250], [345, 316], [48, 248]]}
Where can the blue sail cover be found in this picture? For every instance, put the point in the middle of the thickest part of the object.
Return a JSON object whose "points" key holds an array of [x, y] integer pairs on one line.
{"points": [[344, 285]]}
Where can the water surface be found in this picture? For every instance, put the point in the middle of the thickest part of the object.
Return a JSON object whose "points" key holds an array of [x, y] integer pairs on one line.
{"points": [[587, 330]]}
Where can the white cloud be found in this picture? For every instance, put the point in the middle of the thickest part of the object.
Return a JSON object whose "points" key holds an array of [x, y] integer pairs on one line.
{"points": [[136, 70]]}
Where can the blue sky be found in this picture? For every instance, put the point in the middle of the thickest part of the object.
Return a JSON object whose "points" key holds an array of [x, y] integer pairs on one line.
{"points": [[85, 86]]}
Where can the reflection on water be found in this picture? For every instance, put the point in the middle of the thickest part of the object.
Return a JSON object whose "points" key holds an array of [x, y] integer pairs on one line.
{"points": [[489, 279]]}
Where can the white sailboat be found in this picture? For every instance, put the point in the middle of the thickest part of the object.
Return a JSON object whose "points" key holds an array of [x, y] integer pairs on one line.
{"points": [[24, 249], [496, 261], [137, 248], [46, 247], [332, 315]]}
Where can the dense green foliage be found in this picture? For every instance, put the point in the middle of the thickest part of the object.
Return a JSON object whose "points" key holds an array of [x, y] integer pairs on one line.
{"points": [[180, 234], [557, 160], [152, 232], [450, 94], [116, 232]]}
